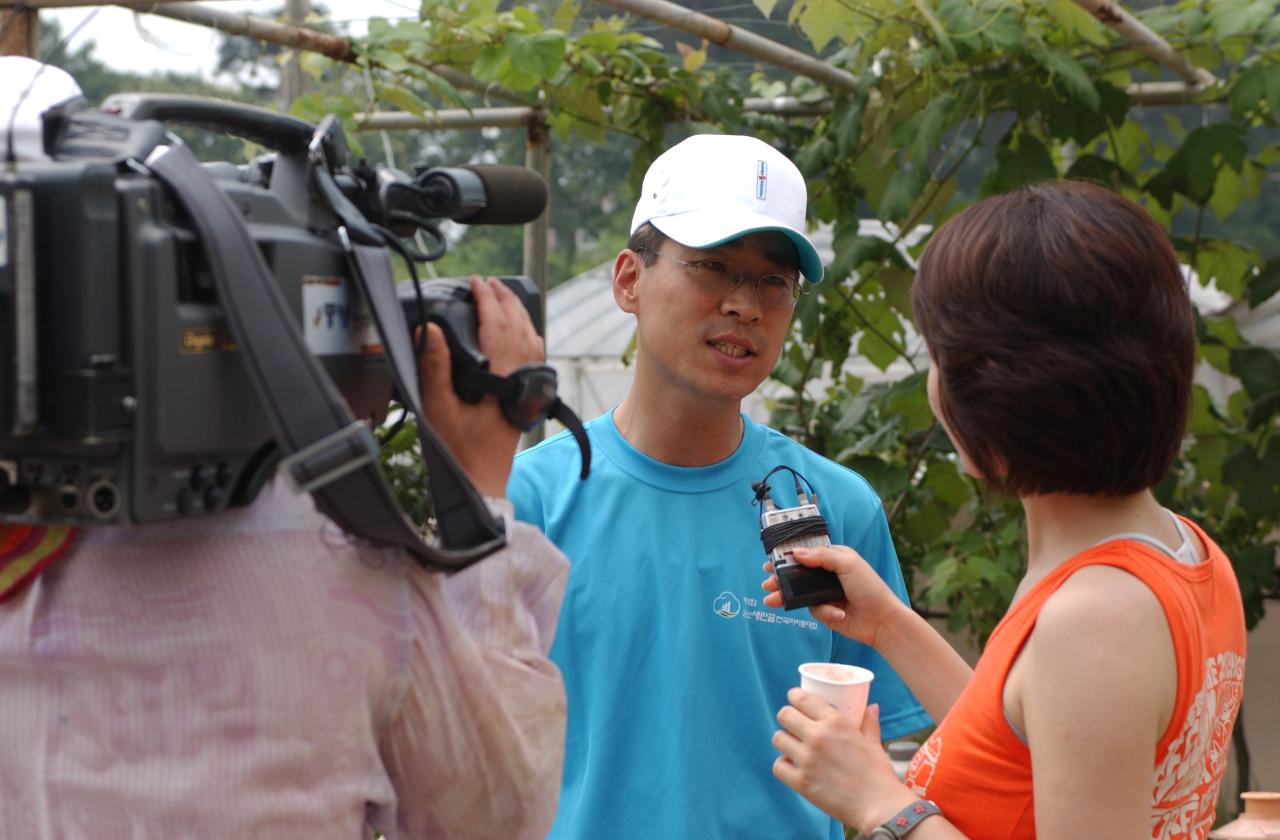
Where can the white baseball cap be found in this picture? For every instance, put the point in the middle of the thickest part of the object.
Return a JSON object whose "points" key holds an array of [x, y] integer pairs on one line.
{"points": [[713, 188], [28, 89]]}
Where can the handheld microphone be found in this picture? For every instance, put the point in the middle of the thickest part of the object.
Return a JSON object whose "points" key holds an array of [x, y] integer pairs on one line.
{"points": [[785, 529]]}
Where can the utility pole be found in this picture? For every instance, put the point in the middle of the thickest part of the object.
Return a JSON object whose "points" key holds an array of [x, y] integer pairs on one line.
{"points": [[19, 31], [292, 79]]}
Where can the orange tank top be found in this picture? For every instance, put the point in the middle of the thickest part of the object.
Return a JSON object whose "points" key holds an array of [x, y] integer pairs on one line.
{"points": [[978, 770]]}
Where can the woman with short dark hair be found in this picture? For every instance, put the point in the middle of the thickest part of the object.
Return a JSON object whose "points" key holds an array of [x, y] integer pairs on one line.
{"points": [[1062, 344]]}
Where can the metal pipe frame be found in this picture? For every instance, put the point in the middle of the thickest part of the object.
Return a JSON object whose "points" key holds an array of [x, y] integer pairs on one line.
{"points": [[512, 117]]}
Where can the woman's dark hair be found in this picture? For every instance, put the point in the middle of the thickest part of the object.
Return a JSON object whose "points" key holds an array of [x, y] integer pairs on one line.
{"points": [[1061, 325], [646, 242]]}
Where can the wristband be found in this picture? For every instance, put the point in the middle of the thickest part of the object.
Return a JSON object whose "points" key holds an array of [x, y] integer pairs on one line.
{"points": [[902, 823]]}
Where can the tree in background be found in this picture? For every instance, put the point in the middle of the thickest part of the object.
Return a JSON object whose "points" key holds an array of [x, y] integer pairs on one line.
{"points": [[1033, 93]]}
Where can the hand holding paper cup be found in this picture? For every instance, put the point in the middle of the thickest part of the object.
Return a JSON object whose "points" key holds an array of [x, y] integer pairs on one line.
{"points": [[844, 686]]}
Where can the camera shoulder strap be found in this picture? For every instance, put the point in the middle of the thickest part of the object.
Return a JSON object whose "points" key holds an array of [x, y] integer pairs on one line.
{"points": [[327, 452], [453, 496]]}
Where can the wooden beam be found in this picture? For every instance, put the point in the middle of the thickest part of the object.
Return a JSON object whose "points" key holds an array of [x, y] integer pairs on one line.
{"points": [[295, 37], [738, 39], [19, 32], [270, 31], [238, 23], [1143, 38]]}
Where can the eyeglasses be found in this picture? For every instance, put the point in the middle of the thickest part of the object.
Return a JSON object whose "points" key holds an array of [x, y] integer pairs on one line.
{"points": [[721, 278]]}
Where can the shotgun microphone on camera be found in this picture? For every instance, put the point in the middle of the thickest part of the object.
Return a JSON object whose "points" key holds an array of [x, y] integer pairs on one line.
{"points": [[483, 194]]}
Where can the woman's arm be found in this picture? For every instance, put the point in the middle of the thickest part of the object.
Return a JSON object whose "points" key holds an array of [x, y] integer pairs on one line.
{"points": [[1094, 689], [929, 666], [873, 615]]}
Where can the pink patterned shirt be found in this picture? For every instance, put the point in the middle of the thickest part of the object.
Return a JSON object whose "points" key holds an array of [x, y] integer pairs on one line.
{"points": [[257, 675]]}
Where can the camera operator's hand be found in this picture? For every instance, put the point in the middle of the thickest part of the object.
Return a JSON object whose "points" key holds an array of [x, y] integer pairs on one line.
{"points": [[478, 435]]}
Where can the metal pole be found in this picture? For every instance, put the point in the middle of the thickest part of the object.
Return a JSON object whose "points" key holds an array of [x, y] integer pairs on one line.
{"points": [[1140, 93], [1172, 93], [448, 118], [786, 106], [537, 156], [292, 79]]}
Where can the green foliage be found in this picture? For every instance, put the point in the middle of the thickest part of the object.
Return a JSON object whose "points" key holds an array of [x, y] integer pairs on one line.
{"points": [[608, 95], [1034, 91], [957, 99], [592, 76], [402, 466]]}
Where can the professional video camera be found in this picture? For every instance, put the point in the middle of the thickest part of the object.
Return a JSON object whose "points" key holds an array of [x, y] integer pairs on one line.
{"points": [[148, 371]]}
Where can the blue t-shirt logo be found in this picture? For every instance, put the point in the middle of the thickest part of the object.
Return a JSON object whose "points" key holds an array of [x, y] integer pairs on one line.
{"points": [[727, 605], [692, 554]]}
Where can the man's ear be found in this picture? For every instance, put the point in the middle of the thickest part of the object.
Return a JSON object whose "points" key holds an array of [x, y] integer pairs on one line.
{"points": [[626, 278]]}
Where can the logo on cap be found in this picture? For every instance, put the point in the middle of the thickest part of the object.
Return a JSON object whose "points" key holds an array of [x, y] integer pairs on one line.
{"points": [[762, 179]]}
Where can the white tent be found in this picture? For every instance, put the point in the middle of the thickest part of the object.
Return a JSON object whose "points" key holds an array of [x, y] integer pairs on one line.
{"points": [[1259, 326], [587, 335]]}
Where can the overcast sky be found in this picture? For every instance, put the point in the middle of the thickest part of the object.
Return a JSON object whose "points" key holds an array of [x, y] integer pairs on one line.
{"points": [[144, 43]]}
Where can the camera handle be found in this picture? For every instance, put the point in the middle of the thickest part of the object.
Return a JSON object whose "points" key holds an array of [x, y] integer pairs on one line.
{"points": [[297, 142], [281, 132], [327, 452]]}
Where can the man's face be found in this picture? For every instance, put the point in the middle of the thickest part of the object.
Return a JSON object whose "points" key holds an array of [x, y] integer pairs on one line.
{"points": [[694, 336]]}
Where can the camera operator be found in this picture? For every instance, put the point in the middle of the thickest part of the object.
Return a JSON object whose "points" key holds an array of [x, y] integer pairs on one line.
{"points": [[258, 673]]}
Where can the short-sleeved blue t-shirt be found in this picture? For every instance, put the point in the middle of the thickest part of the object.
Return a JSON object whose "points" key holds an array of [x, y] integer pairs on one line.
{"points": [[674, 667]]}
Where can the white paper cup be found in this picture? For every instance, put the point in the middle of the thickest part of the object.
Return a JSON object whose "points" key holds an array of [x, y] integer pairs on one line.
{"points": [[844, 686]]}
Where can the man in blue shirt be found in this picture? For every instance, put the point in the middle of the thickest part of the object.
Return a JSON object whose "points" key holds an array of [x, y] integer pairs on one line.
{"points": [[673, 666]]}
